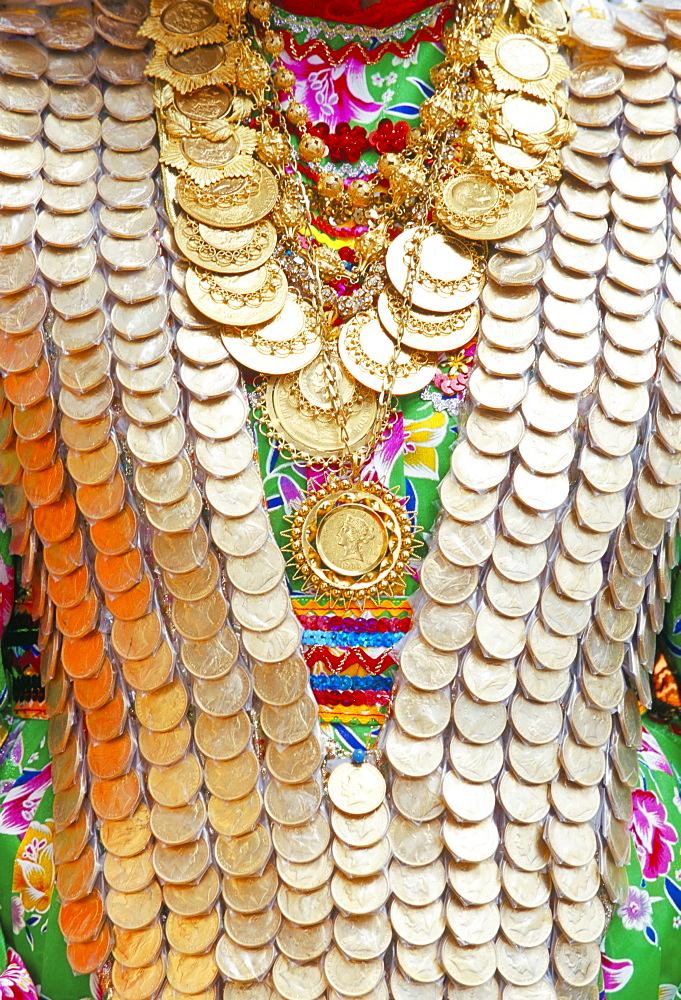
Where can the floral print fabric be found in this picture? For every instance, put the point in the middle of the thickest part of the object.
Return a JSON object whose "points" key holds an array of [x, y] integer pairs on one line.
{"points": [[642, 947]]}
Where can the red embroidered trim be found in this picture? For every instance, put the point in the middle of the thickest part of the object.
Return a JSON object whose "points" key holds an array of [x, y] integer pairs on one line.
{"points": [[376, 14]]}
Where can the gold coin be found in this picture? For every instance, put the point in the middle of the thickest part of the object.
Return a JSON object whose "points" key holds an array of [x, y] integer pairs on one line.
{"points": [[468, 966], [476, 762], [577, 964], [178, 826], [133, 910], [192, 936], [525, 889], [222, 739], [230, 780], [356, 789], [542, 684], [413, 758], [176, 785], [218, 419], [137, 983], [302, 844], [229, 203], [476, 925], [351, 977], [291, 723], [153, 408], [305, 908], [244, 855], [304, 944], [583, 765], [136, 949], [298, 982], [418, 798], [577, 884], [421, 965], [575, 803], [237, 496], [191, 972], [250, 895], [236, 817], [128, 874], [224, 696], [183, 863], [180, 516], [364, 831], [500, 638], [414, 843], [360, 862], [193, 899], [296, 762], [253, 930], [306, 876], [359, 895], [292, 805]]}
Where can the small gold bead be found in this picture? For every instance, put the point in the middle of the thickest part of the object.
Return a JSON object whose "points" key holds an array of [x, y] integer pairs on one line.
{"points": [[297, 113], [329, 185]]}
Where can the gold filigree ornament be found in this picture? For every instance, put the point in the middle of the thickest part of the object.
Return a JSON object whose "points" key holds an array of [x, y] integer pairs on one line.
{"points": [[351, 539], [516, 139], [184, 24], [208, 152], [205, 66], [520, 62]]}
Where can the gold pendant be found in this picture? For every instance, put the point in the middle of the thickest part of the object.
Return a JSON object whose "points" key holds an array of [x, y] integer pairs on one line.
{"points": [[351, 539]]}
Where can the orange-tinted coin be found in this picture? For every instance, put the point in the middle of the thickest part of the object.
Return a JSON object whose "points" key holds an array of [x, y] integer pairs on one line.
{"points": [[116, 798], [18, 354], [28, 562], [58, 730], [83, 657], [39, 454], [65, 765], [66, 805], [108, 721], [34, 421], [57, 694], [78, 621], [92, 693], [28, 388], [91, 468], [135, 949], [21, 532], [151, 673], [114, 535], [86, 957], [46, 486], [111, 759], [68, 591], [56, 521], [63, 557], [81, 920], [75, 879], [139, 639], [10, 466], [127, 837], [49, 657], [70, 843], [15, 502], [23, 310], [133, 603], [96, 502], [85, 435], [118, 573]]}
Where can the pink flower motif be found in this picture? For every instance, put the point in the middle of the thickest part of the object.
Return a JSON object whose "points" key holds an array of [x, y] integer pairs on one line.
{"points": [[637, 912], [6, 594], [651, 754], [15, 982], [21, 802], [616, 973], [18, 920], [653, 835], [332, 94]]}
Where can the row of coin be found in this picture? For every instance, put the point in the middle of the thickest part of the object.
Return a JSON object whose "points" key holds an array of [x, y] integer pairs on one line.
{"points": [[463, 544], [69, 585], [261, 607]]}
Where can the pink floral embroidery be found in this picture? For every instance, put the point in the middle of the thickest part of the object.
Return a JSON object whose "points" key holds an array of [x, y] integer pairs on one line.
{"points": [[637, 912], [653, 835], [616, 973], [6, 594], [332, 94], [651, 754], [21, 802], [15, 982]]}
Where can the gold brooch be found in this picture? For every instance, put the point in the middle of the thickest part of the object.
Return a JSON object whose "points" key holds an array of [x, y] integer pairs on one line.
{"points": [[352, 539]]}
